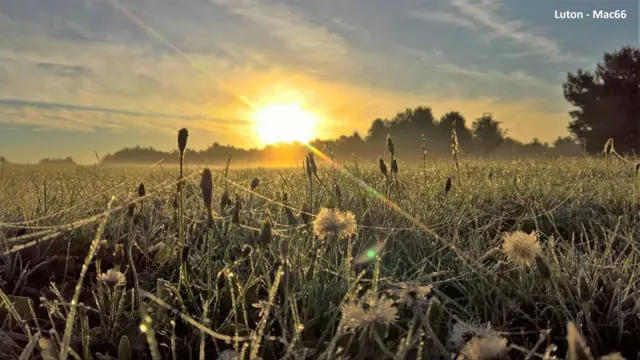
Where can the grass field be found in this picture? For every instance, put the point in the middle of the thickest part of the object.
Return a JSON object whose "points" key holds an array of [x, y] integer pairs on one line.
{"points": [[421, 273]]}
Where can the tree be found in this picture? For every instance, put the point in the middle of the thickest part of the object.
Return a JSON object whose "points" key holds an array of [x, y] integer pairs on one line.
{"points": [[607, 102], [462, 132], [378, 130], [488, 133], [567, 146]]}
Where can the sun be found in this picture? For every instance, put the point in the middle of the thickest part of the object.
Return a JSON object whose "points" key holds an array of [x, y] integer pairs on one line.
{"points": [[285, 122]]}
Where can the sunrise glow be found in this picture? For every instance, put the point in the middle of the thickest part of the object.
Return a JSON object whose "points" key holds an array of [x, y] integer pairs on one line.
{"points": [[285, 122]]}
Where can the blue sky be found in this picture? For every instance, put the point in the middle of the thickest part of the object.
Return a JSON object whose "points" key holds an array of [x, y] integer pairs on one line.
{"points": [[84, 75]]}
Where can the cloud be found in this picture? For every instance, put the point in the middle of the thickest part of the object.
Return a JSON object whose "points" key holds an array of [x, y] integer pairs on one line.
{"points": [[487, 14], [442, 17], [310, 43], [436, 59]]}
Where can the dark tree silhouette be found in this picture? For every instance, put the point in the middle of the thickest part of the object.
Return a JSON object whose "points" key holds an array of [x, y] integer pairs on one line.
{"points": [[607, 102], [3, 160], [488, 134], [463, 133]]}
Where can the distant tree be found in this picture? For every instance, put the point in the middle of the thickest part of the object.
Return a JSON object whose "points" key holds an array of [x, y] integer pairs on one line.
{"points": [[462, 132], [67, 160], [567, 146], [607, 102], [3, 160], [488, 133], [378, 130]]}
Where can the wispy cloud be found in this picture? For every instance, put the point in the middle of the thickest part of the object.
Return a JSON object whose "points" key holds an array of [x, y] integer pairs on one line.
{"points": [[309, 42], [488, 14], [438, 60], [442, 17]]}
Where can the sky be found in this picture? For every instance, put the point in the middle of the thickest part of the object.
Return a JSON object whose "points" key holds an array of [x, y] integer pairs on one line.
{"points": [[80, 77]]}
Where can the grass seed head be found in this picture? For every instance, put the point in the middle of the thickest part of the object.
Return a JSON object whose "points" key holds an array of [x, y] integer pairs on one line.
{"points": [[543, 268], [383, 167], [394, 166], [447, 186], [183, 134], [338, 192], [118, 255], [390, 145], [184, 254], [284, 248], [131, 209], [521, 248], [225, 200], [254, 183], [235, 218], [101, 253], [584, 290], [221, 279], [266, 234], [141, 190], [246, 250], [206, 185], [312, 168], [305, 214]]}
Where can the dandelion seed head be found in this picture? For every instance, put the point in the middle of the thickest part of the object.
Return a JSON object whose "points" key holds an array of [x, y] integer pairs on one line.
{"points": [[380, 309], [334, 221], [411, 293], [113, 277], [521, 248], [462, 332], [354, 316], [487, 348]]}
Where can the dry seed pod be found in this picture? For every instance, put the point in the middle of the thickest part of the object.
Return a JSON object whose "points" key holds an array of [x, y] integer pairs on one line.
{"points": [[390, 146], [118, 255], [225, 200], [383, 167], [312, 163], [447, 186], [131, 209], [307, 166], [265, 234], [584, 290], [246, 250], [284, 248], [206, 185], [394, 166], [304, 214], [183, 134], [141, 190], [124, 348], [543, 268], [235, 218], [254, 183]]}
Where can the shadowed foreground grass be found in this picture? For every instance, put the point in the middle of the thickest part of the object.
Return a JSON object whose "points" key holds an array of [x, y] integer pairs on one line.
{"points": [[424, 278]]}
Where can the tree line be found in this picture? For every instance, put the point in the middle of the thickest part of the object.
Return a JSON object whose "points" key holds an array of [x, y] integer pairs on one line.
{"points": [[606, 105], [606, 102]]}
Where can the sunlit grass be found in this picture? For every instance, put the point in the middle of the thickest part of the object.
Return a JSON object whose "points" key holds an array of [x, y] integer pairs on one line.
{"points": [[269, 286]]}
